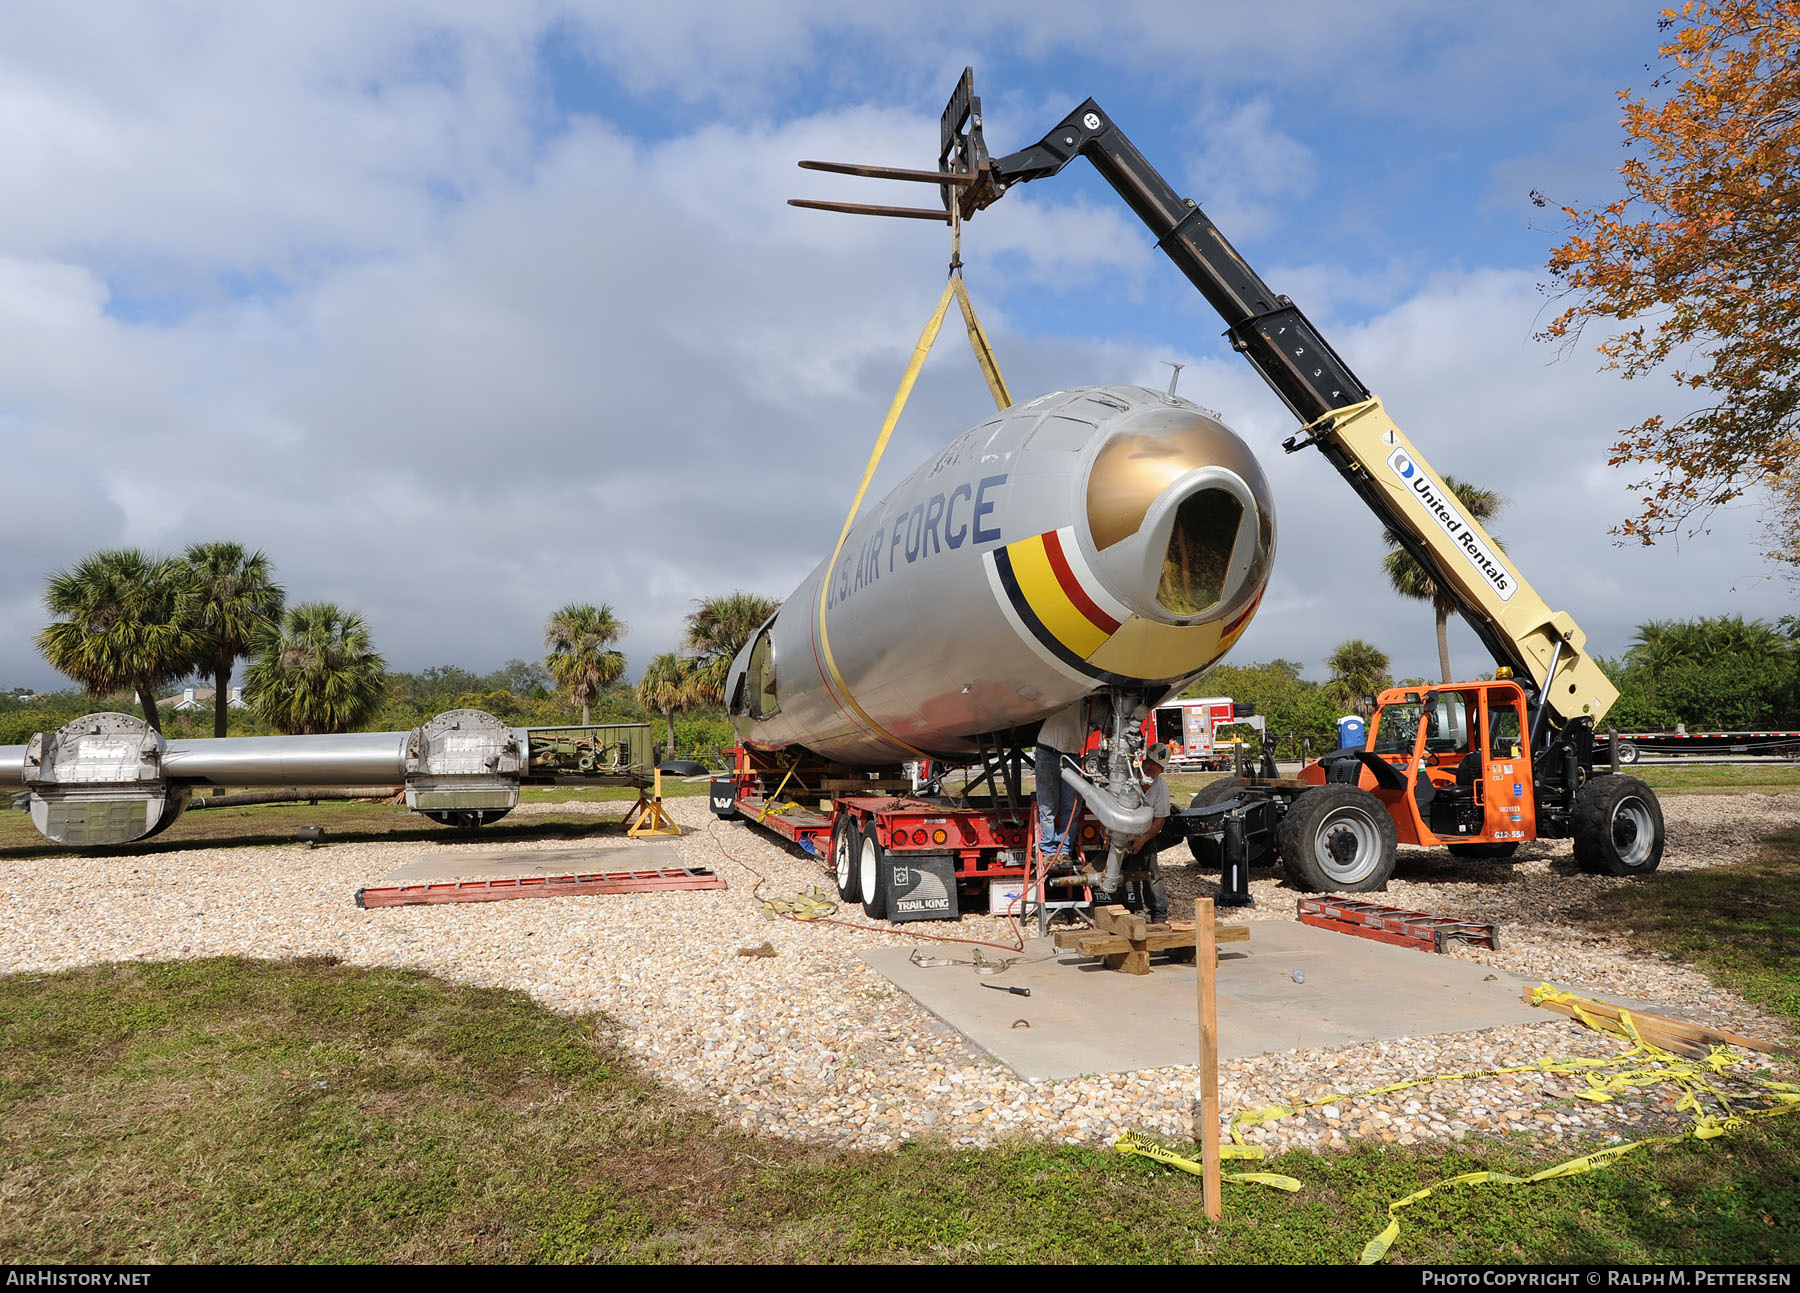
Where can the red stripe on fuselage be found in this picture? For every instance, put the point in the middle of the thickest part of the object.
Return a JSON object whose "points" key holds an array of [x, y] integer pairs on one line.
{"points": [[1072, 586]]}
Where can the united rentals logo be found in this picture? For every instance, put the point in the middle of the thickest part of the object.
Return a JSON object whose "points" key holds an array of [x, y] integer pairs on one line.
{"points": [[1442, 508]]}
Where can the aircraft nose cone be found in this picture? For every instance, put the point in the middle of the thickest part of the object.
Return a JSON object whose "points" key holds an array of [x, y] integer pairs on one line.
{"points": [[1181, 519]]}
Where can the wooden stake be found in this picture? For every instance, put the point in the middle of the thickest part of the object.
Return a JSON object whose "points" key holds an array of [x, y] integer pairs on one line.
{"points": [[1206, 963]]}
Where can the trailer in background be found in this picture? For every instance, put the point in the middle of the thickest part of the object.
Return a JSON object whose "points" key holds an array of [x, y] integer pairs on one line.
{"points": [[1190, 728], [1633, 746]]}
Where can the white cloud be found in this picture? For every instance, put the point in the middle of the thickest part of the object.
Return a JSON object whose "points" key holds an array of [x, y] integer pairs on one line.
{"points": [[484, 369], [1248, 168]]}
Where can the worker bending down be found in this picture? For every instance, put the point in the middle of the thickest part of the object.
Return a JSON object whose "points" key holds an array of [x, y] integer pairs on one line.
{"points": [[1141, 852]]}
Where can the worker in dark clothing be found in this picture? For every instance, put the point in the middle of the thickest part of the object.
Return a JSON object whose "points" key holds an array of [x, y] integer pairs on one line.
{"points": [[1063, 736], [1141, 859]]}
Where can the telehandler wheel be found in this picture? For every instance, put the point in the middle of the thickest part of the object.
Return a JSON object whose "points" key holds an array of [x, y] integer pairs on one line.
{"points": [[1618, 827], [846, 859], [872, 877], [1338, 839], [1491, 851], [1209, 851]]}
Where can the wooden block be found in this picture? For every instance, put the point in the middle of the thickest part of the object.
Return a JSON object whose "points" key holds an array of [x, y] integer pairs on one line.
{"points": [[1116, 920], [1135, 962]]}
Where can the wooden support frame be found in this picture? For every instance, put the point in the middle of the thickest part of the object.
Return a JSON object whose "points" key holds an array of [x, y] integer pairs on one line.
{"points": [[1124, 941]]}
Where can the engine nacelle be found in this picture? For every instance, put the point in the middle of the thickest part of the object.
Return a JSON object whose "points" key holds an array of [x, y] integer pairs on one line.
{"points": [[463, 768], [99, 780]]}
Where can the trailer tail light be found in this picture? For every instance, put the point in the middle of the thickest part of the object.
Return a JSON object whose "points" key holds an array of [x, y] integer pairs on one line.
{"points": [[918, 836], [1089, 834], [940, 837]]}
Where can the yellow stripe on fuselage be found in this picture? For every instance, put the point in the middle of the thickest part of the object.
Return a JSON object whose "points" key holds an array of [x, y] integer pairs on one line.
{"points": [[1064, 619]]}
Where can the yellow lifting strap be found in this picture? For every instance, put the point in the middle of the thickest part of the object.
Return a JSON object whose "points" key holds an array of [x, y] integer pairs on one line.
{"points": [[990, 369]]}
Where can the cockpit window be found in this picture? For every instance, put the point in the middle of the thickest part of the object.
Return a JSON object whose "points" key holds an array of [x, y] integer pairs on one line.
{"points": [[1199, 555]]}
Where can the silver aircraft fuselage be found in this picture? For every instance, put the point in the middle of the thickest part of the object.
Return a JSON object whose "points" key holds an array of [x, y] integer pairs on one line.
{"points": [[1104, 537]]}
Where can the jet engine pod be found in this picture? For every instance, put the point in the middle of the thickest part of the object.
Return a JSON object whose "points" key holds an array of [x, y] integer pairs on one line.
{"points": [[98, 780], [463, 768]]}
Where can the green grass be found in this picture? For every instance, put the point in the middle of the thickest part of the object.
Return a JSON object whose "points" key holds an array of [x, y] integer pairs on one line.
{"points": [[230, 1110], [1739, 923], [1717, 778]]}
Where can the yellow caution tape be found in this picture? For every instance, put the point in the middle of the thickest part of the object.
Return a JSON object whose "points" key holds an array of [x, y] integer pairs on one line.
{"points": [[1128, 1144], [1643, 1065], [1656, 1066], [1377, 1247]]}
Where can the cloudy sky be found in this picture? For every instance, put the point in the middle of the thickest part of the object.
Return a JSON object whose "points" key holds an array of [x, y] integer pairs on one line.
{"points": [[463, 311]]}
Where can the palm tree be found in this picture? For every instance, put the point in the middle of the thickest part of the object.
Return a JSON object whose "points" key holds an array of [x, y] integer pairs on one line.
{"points": [[578, 637], [716, 631], [315, 671], [1409, 579], [1661, 644], [1359, 670], [126, 622], [667, 686], [235, 596]]}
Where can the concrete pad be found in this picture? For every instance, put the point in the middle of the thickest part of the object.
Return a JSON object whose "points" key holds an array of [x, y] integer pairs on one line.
{"points": [[1085, 1018], [438, 868]]}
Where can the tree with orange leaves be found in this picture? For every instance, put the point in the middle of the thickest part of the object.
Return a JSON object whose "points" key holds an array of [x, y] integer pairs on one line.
{"points": [[1698, 265]]}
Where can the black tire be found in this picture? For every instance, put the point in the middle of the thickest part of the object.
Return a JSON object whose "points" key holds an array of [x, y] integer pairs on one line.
{"points": [[1618, 827], [872, 878], [1208, 850], [1628, 753], [846, 850], [1338, 839], [1492, 851]]}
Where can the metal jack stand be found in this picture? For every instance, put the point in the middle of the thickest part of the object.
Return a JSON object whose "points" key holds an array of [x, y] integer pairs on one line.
{"points": [[1234, 876], [654, 820]]}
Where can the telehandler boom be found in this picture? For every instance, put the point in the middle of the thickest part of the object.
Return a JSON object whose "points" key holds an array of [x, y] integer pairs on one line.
{"points": [[1481, 766]]}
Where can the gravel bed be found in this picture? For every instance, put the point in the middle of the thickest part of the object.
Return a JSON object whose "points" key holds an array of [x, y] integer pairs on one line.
{"points": [[813, 1044]]}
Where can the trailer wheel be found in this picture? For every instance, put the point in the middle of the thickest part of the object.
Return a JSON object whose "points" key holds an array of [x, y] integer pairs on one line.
{"points": [[1338, 839], [872, 877], [1628, 753], [846, 858], [1492, 851], [1618, 827], [1209, 850]]}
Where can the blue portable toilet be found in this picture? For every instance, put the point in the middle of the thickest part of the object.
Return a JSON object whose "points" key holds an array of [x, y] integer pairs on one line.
{"points": [[1351, 733]]}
